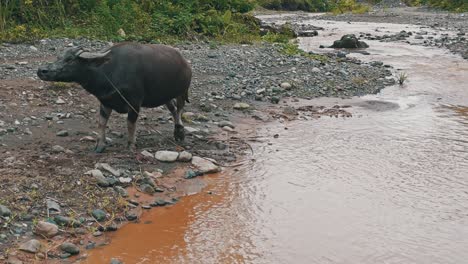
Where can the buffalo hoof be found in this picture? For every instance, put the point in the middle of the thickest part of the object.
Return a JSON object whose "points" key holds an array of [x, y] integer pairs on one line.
{"points": [[179, 133], [131, 147], [99, 149]]}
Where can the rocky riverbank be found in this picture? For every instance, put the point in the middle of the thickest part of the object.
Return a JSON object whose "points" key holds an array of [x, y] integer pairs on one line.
{"points": [[55, 191], [455, 26]]}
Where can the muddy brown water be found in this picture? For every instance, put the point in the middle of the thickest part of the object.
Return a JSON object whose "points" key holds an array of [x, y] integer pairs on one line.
{"points": [[389, 185]]}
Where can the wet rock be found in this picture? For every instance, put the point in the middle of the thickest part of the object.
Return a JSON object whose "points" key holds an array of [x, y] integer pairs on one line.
{"points": [[192, 174], [160, 202], [62, 133], [241, 106], [349, 41], [46, 229], [116, 261], [4, 211], [99, 215], [312, 33], [31, 246], [185, 156], [204, 166], [147, 188], [70, 248], [166, 156], [131, 216]]}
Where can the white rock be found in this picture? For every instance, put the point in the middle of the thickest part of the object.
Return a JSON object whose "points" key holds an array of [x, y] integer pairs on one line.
{"points": [[241, 106], [125, 179], [147, 154], [204, 165], [166, 156], [185, 156], [95, 173], [286, 86], [60, 101], [315, 69], [229, 129], [32, 48]]}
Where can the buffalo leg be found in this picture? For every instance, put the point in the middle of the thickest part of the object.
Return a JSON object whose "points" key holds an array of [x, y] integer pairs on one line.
{"points": [[104, 114], [131, 125], [179, 134]]}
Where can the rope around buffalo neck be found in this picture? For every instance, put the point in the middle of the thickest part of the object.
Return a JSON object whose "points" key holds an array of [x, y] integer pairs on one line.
{"points": [[121, 95]]}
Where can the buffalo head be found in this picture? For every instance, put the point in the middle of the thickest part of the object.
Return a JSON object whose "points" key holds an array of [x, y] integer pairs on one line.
{"points": [[72, 65]]}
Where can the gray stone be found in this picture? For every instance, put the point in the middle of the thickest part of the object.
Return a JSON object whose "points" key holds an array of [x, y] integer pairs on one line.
{"points": [[166, 156], [62, 133], [204, 166], [58, 149], [185, 156], [225, 123], [99, 215], [147, 154], [46, 229], [4, 211], [70, 248], [66, 221], [147, 188], [107, 167], [116, 261], [349, 41], [32, 246]]}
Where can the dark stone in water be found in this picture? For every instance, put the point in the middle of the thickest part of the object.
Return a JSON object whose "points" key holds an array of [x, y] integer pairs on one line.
{"points": [[192, 174], [349, 41]]}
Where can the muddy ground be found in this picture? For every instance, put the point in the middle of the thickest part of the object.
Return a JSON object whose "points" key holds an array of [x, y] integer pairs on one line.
{"points": [[48, 131]]}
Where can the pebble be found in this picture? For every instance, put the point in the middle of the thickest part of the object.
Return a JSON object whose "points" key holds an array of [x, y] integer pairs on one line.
{"points": [[60, 101], [70, 248], [99, 215], [166, 156], [286, 86], [62, 133], [146, 188], [147, 154], [58, 149], [66, 221], [226, 123], [116, 261], [31, 246], [185, 156], [241, 106], [108, 168], [46, 229], [4, 211]]}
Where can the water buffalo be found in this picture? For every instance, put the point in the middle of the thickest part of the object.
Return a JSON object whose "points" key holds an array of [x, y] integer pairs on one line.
{"points": [[125, 78]]}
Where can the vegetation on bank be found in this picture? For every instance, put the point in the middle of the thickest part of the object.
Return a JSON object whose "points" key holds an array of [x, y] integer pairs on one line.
{"points": [[144, 20], [160, 21]]}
